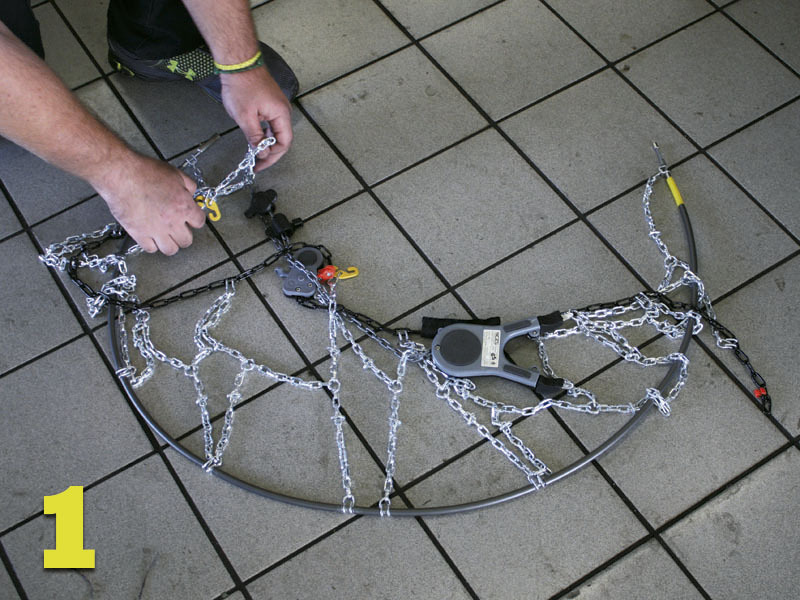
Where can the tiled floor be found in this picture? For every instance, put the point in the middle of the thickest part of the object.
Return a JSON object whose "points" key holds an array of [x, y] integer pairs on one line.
{"points": [[471, 158]]}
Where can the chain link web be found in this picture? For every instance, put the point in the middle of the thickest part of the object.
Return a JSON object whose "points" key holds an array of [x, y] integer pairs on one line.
{"points": [[602, 323]]}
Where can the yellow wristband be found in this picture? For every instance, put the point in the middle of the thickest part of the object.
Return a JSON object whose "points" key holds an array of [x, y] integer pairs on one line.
{"points": [[239, 66]]}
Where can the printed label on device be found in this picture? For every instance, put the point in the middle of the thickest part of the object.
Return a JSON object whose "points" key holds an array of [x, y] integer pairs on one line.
{"points": [[490, 356]]}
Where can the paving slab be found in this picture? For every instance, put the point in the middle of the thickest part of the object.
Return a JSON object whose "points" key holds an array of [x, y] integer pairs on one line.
{"points": [[89, 21], [763, 160], [421, 17], [760, 315], [774, 24], [511, 55], [593, 140], [385, 559], [36, 317], [177, 115], [647, 572], [473, 205], [7, 586], [62, 51], [537, 544], [717, 542], [667, 464], [617, 28], [56, 433], [322, 40], [147, 544], [407, 105], [736, 82]]}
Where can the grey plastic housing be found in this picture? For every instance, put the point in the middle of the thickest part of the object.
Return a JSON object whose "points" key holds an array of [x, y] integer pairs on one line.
{"points": [[464, 350], [297, 283]]}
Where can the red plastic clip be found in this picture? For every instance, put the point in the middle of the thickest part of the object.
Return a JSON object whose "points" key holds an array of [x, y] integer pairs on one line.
{"points": [[327, 273], [760, 392]]}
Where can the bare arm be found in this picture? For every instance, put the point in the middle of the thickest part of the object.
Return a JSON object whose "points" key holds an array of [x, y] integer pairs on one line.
{"points": [[150, 199], [252, 96]]}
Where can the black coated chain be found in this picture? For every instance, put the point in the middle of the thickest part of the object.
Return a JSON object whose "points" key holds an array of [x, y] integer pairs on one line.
{"points": [[760, 392], [128, 305]]}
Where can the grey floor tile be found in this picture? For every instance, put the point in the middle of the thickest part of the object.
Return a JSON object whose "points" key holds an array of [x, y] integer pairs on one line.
{"points": [[170, 396], [473, 205], [734, 83], [593, 140], [57, 435], [421, 17], [511, 55], [722, 216], [618, 27], [762, 159], [89, 21], [541, 542], [155, 272], [9, 224], [648, 572], [40, 189], [322, 40], [385, 559], [7, 586], [713, 433], [393, 279], [63, 54], [408, 107], [147, 544], [760, 315], [775, 24], [755, 518], [35, 318], [177, 115], [309, 178]]}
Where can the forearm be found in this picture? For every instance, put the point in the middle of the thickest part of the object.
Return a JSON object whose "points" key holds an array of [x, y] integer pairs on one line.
{"points": [[227, 27], [38, 112]]}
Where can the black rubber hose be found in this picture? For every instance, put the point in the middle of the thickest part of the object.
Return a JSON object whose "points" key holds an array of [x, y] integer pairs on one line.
{"points": [[666, 382]]}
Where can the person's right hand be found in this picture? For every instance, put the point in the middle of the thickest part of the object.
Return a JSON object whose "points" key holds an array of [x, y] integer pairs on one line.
{"points": [[153, 201]]}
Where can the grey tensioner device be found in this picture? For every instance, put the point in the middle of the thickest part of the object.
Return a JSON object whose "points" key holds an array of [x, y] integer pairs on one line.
{"points": [[465, 350]]}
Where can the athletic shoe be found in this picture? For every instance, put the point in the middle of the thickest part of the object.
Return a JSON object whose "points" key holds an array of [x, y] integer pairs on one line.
{"points": [[198, 67]]}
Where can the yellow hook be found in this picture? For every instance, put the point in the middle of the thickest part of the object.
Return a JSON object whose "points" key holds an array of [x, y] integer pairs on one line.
{"points": [[213, 209], [348, 273]]}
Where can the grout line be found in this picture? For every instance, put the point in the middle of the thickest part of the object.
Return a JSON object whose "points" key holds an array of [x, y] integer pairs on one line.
{"points": [[156, 447], [743, 387], [297, 552], [32, 360], [724, 487], [445, 555], [652, 531], [759, 42], [12, 574], [109, 83]]}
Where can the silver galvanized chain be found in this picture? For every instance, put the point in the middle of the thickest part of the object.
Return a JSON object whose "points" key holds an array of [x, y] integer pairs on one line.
{"points": [[604, 325]]}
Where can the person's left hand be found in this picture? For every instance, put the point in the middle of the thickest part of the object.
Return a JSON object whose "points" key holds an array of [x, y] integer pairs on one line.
{"points": [[252, 97]]}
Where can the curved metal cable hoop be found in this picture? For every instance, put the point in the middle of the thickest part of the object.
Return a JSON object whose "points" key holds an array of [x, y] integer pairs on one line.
{"points": [[603, 448]]}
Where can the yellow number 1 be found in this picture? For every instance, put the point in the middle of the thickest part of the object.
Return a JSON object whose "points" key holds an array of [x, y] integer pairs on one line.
{"points": [[69, 552]]}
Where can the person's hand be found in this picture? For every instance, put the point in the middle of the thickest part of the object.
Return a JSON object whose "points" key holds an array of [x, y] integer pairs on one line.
{"points": [[153, 201], [252, 97]]}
